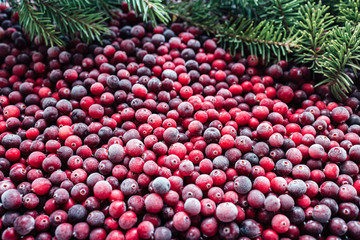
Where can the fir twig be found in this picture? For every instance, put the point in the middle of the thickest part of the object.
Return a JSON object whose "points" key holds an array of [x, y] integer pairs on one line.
{"points": [[342, 50], [282, 12], [48, 19], [86, 22], [264, 38], [150, 10], [348, 11], [237, 34], [37, 24], [315, 22]]}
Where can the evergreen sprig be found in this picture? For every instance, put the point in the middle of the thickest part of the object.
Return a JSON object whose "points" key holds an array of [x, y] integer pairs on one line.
{"points": [[262, 39], [282, 12], [150, 10], [315, 22], [237, 33], [50, 19], [348, 11], [81, 20], [37, 24], [342, 50]]}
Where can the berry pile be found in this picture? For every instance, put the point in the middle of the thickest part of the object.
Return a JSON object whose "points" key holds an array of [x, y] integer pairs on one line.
{"points": [[162, 135]]}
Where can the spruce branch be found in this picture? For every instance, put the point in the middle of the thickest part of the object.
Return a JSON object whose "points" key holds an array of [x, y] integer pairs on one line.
{"points": [[240, 33], [150, 10], [282, 12], [70, 19], [37, 24], [342, 50], [262, 38], [48, 19], [348, 11], [314, 23]]}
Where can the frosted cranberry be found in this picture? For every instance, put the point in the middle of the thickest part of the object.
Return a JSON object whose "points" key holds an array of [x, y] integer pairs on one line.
{"points": [[323, 141], [115, 234], [250, 228], [41, 186], [74, 142], [64, 231], [10, 233], [316, 151], [218, 176], [127, 220], [349, 168], [58, 217], [337, 154], [51, 164], [348, 211], [321, 213], [145, 230], [97, 233], [301, 171], [192, 206], [42, 223], [162, 233], [329, 189], [226, 212], [256, 198], [96, 111], [185, 109], [61, 196], [95, 218], [243, 143], [353, 228], [280, 223], [117, 208], [306, 118], [136, 165], [161, 185], [81, 230], [153, 203], [283, 167], [354, 152], [297, 188], [11, 199], [313, 227], [243, 167], [77, 213], [242, 184], [338, 226], [102, 189], [134, 147], [319, 125], [171, 135], [181, 221], [79, 192], [339, 114]]}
